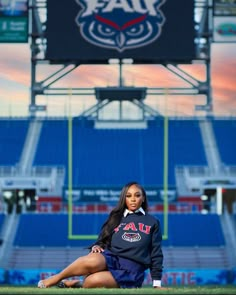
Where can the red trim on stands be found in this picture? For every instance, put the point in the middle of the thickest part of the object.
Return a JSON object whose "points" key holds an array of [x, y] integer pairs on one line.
{"points": [[49, 204], [191, 199]]}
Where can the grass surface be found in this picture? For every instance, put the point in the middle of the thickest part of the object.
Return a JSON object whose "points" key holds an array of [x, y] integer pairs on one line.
{"points": [[145, 290]]}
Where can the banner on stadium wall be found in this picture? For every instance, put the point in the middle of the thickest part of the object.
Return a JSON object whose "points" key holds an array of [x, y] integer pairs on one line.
{"points": [[176, 277], [112, 195], [196, 277], [224, 29], [27, 276], [95, 31], [14, 21]]}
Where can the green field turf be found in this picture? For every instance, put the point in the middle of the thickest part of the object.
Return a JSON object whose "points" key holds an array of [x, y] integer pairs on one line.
{"points": [[145, 290]]}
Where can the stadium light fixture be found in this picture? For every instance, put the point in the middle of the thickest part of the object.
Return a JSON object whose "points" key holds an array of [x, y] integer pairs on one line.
{"points": [[114, 61], [128, 61]]}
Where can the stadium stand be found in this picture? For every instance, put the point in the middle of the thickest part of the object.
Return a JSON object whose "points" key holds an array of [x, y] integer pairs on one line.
{"points": [[60, 257], [225, 131], [2, 217], [140, 151], [12, 138], [192, 239], [185, 230]]}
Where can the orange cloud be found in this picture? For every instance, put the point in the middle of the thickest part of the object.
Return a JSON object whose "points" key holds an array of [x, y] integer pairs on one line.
{"points": [[15, 78]]}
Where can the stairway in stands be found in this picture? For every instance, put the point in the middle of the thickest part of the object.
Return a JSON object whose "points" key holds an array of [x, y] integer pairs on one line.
{"points": [[7, 236]]}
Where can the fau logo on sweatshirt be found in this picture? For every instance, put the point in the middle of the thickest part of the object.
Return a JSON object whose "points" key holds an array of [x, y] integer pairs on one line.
{"points": [[131, 232], [120, 24]]}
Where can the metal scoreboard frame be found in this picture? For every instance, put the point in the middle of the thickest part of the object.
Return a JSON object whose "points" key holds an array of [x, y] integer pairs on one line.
{"points": [[67, 34]]}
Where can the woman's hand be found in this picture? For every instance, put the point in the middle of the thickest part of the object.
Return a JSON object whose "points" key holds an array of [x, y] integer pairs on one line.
{"points": [[97, 249]]}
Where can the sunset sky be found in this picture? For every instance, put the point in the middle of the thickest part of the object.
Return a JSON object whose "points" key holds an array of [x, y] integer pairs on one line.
{"points": [[15, 78]]}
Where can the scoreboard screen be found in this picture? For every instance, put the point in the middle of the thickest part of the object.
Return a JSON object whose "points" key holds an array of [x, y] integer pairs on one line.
{"points": [[94, 31]]}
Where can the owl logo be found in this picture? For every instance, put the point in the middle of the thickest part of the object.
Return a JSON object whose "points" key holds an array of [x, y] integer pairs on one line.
{"points": [[131, 237], [120, 24]]}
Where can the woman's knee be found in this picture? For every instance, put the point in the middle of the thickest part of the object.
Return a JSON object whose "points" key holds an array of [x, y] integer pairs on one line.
{"points": [[96, 262]]}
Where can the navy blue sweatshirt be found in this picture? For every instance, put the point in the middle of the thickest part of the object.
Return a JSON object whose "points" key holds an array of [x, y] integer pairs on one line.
{"points": [[138, 237]]}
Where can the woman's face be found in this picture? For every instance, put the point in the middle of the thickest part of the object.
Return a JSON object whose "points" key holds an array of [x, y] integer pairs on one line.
{"points": [[134, 198]]}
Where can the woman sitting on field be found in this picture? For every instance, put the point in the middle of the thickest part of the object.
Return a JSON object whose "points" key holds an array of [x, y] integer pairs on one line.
{"points": [[128, 244]]}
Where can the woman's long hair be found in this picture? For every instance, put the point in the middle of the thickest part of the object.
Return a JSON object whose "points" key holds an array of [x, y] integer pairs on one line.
{"points": [[116, 214]]}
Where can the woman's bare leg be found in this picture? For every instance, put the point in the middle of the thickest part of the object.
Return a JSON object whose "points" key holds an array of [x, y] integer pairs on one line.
{"points": [[101, 279], [89, 264]]}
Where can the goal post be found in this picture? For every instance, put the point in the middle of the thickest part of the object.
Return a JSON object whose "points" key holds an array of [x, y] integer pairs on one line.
{"points": [[165, 178], [72, 236]]}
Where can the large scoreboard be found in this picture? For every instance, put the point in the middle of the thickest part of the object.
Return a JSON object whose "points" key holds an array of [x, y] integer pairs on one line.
{"points": [[146, 31]]}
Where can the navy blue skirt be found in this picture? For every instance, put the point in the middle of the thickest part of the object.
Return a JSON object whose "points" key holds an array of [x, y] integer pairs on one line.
{"points": [[126, 272]]}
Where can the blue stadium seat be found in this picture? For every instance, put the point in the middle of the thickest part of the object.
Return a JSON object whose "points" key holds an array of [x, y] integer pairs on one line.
{"points": [[115, 156], [225, 133], [51, 230], [194, 230], [12, 137]]}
